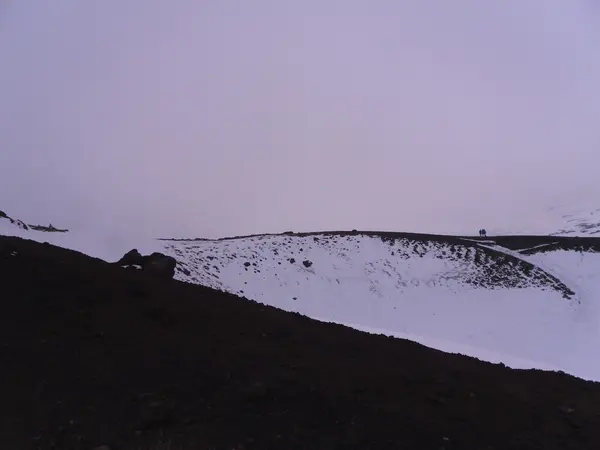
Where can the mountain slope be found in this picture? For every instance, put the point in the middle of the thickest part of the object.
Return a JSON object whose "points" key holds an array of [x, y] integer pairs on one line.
{"points": [[487, 298], [503, 299], [94, 354]]}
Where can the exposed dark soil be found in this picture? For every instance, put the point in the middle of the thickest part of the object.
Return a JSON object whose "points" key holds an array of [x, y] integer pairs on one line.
{"points": [[93, 354]]}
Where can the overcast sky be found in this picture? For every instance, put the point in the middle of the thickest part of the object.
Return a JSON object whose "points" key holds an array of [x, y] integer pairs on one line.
{"points": [[212, 117]]}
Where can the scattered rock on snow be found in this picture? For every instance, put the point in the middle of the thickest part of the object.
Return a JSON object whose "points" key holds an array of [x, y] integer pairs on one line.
{"points": [[19, 223]]}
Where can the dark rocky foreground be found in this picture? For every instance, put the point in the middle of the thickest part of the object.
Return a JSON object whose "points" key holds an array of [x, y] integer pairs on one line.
{"points": [[94, 354]]}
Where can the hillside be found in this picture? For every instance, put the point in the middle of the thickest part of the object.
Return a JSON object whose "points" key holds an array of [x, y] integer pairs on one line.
{"points": [[525, 301], [95, 354], [503, 298]]}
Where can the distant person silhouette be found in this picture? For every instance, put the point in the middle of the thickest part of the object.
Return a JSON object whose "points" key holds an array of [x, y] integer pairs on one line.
{"points": [[483, 232]]}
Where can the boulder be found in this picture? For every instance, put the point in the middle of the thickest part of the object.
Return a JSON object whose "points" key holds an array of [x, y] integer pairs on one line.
{"points": [[157, 264], [131, 258], [160, 265]]}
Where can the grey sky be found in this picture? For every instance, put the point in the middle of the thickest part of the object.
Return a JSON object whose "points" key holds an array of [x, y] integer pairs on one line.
{"points": [[208, 118]]}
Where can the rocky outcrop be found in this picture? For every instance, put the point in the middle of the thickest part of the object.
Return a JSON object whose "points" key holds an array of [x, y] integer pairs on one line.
{"points": [[50, 228], [160, 265], [131, 258], [18, 223], [157, 264]]}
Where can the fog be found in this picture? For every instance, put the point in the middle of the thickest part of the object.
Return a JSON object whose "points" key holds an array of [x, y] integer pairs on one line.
{"points": [[212, 118]]}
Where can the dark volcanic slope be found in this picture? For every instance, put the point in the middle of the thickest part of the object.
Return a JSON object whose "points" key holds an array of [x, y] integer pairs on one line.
{"points": [[94, 354]]}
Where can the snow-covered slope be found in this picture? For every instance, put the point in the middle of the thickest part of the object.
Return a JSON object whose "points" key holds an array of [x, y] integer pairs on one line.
{"points": [[384, 266], [573, 215], [454, 291], [527, 301], [567, 215], [582, 268], [578, 221]]}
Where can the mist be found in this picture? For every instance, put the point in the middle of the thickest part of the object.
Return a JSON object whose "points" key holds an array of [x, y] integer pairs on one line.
{"points": [[207, 118]]}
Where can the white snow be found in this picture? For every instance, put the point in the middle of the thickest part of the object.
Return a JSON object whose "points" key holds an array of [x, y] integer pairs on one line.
{"points": [[368, 284], [583, 269], [413, 291], [575, 216]]}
